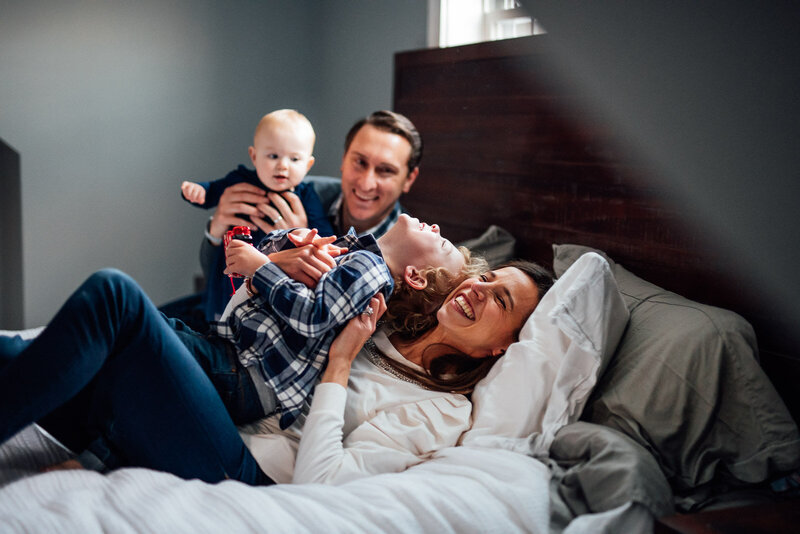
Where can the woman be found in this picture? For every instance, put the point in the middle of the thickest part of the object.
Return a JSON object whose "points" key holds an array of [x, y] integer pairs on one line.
{"points": [[142, 403], [389, 403]]}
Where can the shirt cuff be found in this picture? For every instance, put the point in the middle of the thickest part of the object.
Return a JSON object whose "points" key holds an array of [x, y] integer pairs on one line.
{"points": [[216, 241]]}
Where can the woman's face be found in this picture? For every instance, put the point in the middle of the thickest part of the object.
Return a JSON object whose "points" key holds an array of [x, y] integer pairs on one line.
{"points": [[484, 315]]}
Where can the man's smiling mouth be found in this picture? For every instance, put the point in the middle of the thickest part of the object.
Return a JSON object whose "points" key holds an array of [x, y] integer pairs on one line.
{"points": [[365, 199]]}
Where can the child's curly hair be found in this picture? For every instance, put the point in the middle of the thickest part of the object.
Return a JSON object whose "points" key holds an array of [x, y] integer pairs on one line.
{"points": [[411, 312]]}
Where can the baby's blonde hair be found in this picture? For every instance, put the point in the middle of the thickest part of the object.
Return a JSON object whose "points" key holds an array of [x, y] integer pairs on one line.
{"points": [[287, 118]]}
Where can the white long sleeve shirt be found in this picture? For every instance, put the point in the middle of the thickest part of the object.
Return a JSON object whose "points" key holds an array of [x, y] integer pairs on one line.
{"points": [[379, 424]]}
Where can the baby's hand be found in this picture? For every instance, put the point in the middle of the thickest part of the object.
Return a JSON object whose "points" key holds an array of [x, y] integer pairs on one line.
{"points": [[193, 192]]}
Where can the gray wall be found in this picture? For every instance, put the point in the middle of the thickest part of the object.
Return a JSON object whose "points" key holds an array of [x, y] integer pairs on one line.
{"points": [[358, 41], [112, 104]]}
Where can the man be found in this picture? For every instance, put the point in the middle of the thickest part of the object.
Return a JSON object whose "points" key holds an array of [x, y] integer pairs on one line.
{"points": [[380, 163]]}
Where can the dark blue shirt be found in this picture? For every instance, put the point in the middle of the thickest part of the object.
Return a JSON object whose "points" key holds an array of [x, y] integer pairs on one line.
{"points": [[218, 285]]}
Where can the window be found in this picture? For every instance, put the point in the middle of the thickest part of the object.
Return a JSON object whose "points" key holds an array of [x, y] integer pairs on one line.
{"points": [[458, 22]]}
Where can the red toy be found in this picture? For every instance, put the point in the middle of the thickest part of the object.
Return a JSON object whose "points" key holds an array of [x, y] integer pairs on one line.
{"points": [[242, 233]]}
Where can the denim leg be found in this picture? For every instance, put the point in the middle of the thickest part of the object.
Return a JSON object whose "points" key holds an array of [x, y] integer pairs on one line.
{"points": [[11, 347], [232, 381], [150, 398]]}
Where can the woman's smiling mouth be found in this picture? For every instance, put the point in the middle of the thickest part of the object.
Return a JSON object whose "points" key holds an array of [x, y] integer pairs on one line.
{"points": [[465, 307]]}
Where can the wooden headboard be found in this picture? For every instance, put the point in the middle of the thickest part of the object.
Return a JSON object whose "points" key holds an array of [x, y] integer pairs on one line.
{"points": [[505, 144]]}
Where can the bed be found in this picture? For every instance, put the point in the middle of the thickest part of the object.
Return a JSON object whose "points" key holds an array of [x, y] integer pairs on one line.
{"points": [[641, 385], [705, 375]]}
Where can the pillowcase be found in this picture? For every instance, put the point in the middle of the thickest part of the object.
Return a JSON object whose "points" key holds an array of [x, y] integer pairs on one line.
{"points": [[544, 379], [686, 384], [495, 245]]}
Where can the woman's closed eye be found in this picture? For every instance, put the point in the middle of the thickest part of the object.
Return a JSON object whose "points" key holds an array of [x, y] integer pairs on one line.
{"points": [[498, 297]]}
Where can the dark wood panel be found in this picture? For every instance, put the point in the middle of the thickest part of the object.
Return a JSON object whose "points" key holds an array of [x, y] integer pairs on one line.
{"points": [[506, 144]]}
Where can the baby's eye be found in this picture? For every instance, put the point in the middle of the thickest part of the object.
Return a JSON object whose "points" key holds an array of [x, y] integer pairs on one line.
{"points": [[272, 156], [295, 159]]}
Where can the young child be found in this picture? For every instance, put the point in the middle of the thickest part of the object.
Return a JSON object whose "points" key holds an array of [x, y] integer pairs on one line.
{"points": [[282, 155], [263, 359], [282, 149], [282, 330]]}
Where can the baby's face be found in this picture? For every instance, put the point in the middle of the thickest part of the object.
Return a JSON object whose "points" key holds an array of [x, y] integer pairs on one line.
{"points": [[282, 156]]}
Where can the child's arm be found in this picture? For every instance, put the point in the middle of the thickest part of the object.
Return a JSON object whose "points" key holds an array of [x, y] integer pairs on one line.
{"points": [[305, 264], [340, 295], [194, 193]]}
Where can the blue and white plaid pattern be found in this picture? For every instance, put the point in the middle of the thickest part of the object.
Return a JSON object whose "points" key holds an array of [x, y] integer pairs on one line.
{"points": [[287, 329], [335, 215]]}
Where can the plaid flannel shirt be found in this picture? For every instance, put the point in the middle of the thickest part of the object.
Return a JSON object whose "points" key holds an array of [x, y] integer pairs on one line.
{"points": [[286, 329]]}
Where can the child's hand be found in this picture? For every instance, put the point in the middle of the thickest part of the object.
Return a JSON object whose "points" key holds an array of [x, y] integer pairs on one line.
{"points": [[243, 258], [303, 236], [305, 264], [350, 340], [193, 192]]}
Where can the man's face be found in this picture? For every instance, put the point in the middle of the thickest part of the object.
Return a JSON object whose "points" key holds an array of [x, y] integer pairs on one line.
{"points": [[374, 175]]}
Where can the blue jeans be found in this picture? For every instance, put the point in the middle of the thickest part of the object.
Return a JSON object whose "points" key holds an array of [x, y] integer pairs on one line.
{"points": [[110, 373]]}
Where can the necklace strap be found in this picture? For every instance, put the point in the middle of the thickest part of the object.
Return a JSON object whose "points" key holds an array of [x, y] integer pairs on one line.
{"points": [[379, 360]]}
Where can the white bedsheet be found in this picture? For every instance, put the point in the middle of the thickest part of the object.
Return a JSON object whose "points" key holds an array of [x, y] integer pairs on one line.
{"points": [[461, 490]]}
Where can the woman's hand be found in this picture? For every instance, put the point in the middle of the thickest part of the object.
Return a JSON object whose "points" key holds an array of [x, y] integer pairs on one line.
{"points": [[306, 264], [235, 200], [284, 209], [243, 258], [350, 340]]}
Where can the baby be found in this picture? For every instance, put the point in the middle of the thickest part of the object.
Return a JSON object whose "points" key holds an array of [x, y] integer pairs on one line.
{"points": [[282, 155]]}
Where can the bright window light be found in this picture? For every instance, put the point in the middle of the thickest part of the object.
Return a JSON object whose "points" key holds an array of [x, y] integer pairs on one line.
{"points": [[458, 22]]}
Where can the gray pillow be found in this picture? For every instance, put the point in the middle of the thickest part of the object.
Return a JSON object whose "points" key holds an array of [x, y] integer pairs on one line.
{"points": [[495, 245], [685, 383]]}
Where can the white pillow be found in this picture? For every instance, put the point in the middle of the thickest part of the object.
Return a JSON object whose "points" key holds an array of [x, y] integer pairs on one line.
{"points": [[543, 381]]}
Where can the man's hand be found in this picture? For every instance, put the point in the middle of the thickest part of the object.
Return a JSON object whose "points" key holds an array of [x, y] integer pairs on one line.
{"points": [[237, 199], [286, 211], [350, 340], [194, 193], [243, 258]]}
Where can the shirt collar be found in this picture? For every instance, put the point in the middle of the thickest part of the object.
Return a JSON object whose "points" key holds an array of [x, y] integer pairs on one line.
{"points": [[355, 242], [335, 213]]}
